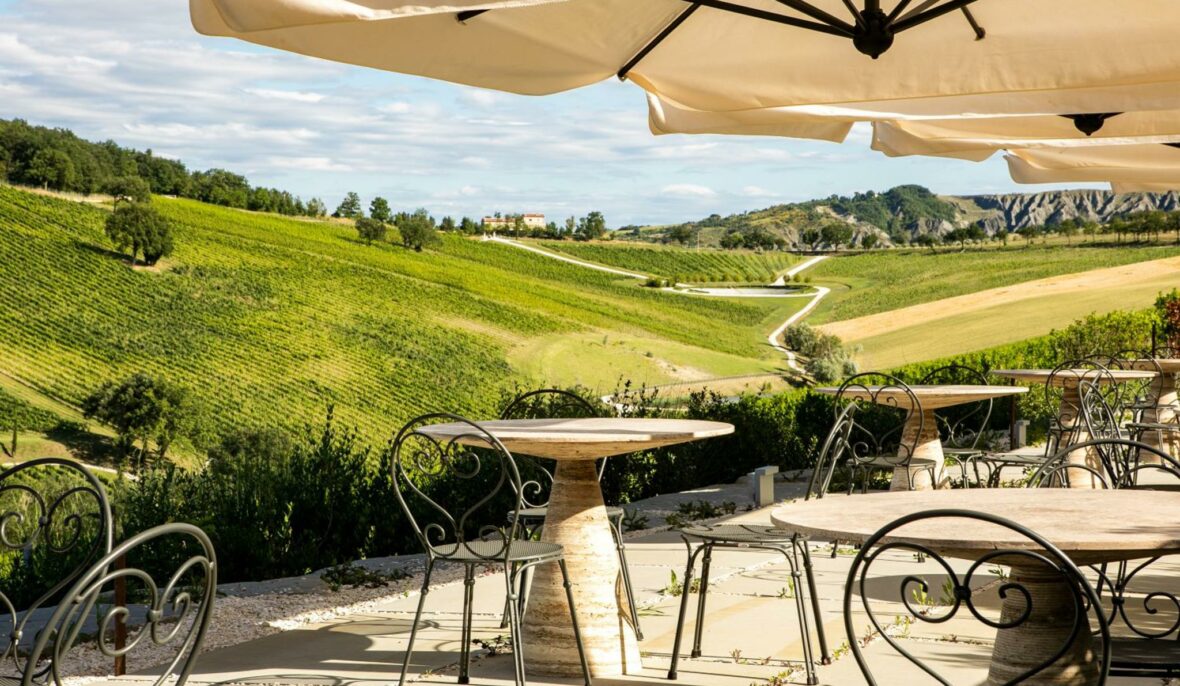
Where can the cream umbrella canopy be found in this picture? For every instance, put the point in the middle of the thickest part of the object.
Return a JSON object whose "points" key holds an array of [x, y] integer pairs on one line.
{"points": [[718, 55], [1125, 167]]}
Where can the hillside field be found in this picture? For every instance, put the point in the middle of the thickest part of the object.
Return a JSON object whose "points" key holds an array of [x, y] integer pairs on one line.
{"points": [[685, 265], [269, 320]]}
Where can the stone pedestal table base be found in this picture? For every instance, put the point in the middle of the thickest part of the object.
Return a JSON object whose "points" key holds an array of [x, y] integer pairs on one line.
{"points": [[577, 520], [921, 431]]}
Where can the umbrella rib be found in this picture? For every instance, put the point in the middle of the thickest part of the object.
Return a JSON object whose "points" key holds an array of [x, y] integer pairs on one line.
{"points": [[980, 33], [817, 14], [659, 38], [912, 13], [774, 17], [914, 20], [898, 10], [462, 17], [860, 20]]}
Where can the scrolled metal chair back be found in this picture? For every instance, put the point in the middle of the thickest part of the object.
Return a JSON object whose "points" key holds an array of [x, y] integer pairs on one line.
{"points": [[55, 522], [168, 603], [914, 589], [836, 447], [1146, 391], [451, 486], [1071, 374], [1101, 419], [961, 426], [545, 403], [878, 431]]}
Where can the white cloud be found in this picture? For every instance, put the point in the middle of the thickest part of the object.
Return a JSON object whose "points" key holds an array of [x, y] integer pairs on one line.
{"points": [[292, 96], [309, 163], [758, 192], [688, 190], [476, 161], [480, 97]]}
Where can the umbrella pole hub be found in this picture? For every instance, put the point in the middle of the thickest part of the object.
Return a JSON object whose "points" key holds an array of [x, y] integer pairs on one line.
{"points": [[873, 34]]}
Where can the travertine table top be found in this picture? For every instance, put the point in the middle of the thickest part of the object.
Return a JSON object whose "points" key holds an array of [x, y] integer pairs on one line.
{"points": [[1089, 525], [931, 397], [1071, 376], [1168, 365], [586, 438]]}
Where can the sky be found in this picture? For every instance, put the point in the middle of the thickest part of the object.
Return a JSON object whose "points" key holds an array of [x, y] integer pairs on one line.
{"points": [[135, 71]]}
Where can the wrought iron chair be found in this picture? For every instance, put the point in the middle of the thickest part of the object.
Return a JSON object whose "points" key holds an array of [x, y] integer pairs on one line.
{"points": [[553, 403], [1150, 650], [701, 540], [1063, 429], [421, 463], [962, 427], [56, 518], [879, 440], [1041, 554], [1146, 396]]}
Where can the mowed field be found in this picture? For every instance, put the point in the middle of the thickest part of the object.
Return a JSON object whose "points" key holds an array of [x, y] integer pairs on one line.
{"points": [[900, 308], [269, 320]]}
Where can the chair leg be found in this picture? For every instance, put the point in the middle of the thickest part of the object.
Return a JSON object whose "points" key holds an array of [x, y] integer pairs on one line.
{"points": [[417, 619], [825, 656], [569, 596], [465, 648], [801, 610], [514, 625], [701, 596], [692, 558], [622, 550]]}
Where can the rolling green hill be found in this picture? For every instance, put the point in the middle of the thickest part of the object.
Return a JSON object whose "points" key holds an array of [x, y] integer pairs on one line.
{"points": [[687, 266], [268, 319]]}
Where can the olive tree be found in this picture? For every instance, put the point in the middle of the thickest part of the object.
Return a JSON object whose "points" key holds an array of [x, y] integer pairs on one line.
{"points": [[139, 229]]}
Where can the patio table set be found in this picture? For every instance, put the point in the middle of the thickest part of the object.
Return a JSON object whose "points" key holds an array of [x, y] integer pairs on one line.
{"points": [[578, 618]]}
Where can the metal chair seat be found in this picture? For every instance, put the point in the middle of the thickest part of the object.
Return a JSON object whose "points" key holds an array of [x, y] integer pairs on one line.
{"points": [[889, 462], [1152, 426], [475, 551], [737, 533], [1144, 656]]}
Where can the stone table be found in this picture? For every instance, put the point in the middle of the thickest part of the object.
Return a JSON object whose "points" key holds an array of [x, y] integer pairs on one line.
{"points": [[576, 519], [1069, 412], [921, 427], [1168, 405], [1090, 526]]}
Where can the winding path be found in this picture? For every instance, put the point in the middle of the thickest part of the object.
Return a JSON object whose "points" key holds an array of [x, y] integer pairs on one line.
{"points": [[820, 291]]}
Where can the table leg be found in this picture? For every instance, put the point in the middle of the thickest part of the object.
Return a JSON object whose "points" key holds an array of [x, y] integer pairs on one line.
{"points": [[1047, 628], [1073, 427], [576, 519], [921, 431]]}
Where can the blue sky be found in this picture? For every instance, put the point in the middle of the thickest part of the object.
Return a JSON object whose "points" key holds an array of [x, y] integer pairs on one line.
{"points": [[134, 71]]}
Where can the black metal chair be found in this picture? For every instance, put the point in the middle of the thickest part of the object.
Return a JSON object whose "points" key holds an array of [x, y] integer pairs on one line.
{"points": [[62, 590], [461, 535], [1151, 651], [1064, 428], [1041, 553], [879, 440], [962, 427], [701, 540], [1146, 398], [553, 403]]}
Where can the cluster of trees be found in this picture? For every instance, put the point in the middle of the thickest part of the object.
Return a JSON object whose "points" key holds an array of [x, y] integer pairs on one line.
{"points": [[144, 411], [588, 228], [416, 230], [59, 160]]}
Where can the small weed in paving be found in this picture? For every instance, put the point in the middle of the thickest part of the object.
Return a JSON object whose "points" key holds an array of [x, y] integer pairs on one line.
{"points": [[787, 591], [676, 589], [352, 575], [498, 645], [687, 513]]}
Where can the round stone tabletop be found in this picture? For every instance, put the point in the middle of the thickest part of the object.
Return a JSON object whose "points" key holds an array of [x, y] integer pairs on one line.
{"points": [[1071, 376], [931, 397], [585, 438], [1090, 526]]}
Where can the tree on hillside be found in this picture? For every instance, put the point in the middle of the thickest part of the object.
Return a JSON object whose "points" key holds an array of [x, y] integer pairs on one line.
{"points": [[468, 226], [139, 229], [221, 187], [417, 230], [836, 234], [142, 409], [518, 226], [379, 210], [316, 208], [869, 240], [350, 207], [371, 229], [928, 240], [51, 168], [811, 237], [447, 224], [1069, 229], [128, 189], [682, 234], [1028, 233], [591, 227]]}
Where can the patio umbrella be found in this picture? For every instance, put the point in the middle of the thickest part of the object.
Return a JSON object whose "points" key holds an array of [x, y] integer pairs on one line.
{"points": [[943, 56], [1126, 167], [977, 138]]}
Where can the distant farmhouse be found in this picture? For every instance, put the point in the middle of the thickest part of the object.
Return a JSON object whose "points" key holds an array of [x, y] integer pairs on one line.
{"points": [[507, 223]]}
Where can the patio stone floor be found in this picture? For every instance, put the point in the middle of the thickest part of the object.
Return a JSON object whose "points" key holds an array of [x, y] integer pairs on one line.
{"points": [[751, 635]]}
